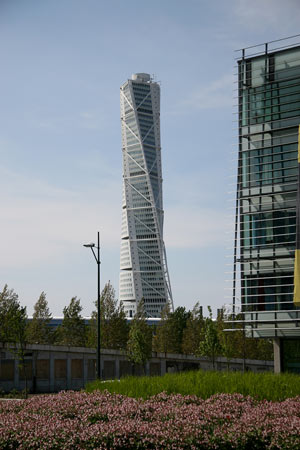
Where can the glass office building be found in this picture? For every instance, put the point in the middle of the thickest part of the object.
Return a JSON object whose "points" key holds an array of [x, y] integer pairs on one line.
{"points": [[268, 88], [143, 263]]}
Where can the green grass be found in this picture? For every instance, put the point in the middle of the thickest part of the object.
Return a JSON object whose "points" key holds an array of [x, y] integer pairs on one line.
{"points": [[205, 384]]}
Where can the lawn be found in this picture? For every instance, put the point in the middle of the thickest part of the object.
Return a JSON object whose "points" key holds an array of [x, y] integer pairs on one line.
{"points": [[204, 384]]}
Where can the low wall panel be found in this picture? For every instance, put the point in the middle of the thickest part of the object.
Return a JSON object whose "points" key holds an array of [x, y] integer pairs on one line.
{"points": [[92, 369], [125, 368], [60, 369], [155, 368], [25, 372], [42, 369], [7, 370], [109, 370], [77, 368]]}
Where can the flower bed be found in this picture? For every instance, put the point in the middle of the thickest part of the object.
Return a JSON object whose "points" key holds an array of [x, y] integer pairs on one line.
{"points": [[73, 420]]}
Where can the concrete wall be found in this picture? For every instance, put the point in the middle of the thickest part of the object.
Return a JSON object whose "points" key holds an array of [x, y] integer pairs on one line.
{"points": [[277, 355], [55, 368]]}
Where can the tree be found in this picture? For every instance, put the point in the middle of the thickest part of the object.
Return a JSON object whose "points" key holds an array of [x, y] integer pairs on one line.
{"points": [[72, 331], [113, 324], [265, 349], [178, 321], [210, 346], [139, 345], [230, 343], [9, 304], [38, 331], [19, 333], [161, 337], [193, 333], [13, 330], [169, 333]]}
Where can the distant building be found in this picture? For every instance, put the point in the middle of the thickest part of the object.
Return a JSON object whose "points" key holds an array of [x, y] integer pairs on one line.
{"points": [[266, 213], [144, 272], [55, 322]]}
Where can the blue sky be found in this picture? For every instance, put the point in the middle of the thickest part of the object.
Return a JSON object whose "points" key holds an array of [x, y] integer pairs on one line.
{"points": [[62, 63]]}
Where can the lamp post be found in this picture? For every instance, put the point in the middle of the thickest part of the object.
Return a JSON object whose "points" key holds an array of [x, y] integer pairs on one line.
{"points": [[97, 258]]}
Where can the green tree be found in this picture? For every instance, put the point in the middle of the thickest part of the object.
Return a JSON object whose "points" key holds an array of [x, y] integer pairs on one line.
{"points": [[160, 342], [113, 324], [258, 348], [19, 337], [193, 333], [13, 327], [72, 331], [230, 342], [169, 333], [38, 331], [178, 321], [210, 346], [9, 305], [139, 345], [265, 349], [233, 342]]}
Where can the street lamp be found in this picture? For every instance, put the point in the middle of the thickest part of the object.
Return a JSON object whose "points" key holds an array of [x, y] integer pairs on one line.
{"points": [[97, 258]]}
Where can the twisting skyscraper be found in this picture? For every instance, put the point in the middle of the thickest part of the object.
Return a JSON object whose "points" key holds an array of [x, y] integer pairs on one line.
{"points": [[144, 272]]}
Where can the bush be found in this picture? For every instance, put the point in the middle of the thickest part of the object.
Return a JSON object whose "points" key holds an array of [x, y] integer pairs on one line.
{"points": [[72, 420]]}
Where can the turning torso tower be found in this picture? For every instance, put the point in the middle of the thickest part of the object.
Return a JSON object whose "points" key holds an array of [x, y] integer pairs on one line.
{"points": [[143, 264]]}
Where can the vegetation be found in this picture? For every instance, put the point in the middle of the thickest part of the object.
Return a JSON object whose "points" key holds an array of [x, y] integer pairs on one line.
{"points": [[160, 342], [70, 420], [193, 332], [181, 331], [11, 312], [38, 330], [14, 393], [204, 384], [139, 345], [210, 345], [113, 324], [169, 333], [13, 330], [72, 331]]}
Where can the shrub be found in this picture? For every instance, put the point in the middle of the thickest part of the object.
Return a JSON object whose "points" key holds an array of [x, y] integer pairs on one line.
{"points": [[72, 420]]}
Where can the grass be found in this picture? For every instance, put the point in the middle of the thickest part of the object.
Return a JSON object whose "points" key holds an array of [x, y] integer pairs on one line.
{"points": [[204, 384]]}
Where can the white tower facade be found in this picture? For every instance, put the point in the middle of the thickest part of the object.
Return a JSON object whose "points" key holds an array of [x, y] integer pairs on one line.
{"points": [[144, 272]]}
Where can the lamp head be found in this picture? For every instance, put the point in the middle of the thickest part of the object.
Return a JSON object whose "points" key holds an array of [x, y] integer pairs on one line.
{"points": [[90, 245]]}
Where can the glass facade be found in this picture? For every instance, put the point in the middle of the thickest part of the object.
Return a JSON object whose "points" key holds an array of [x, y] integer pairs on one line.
{"points": [[144, 272], [268, 121]]}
